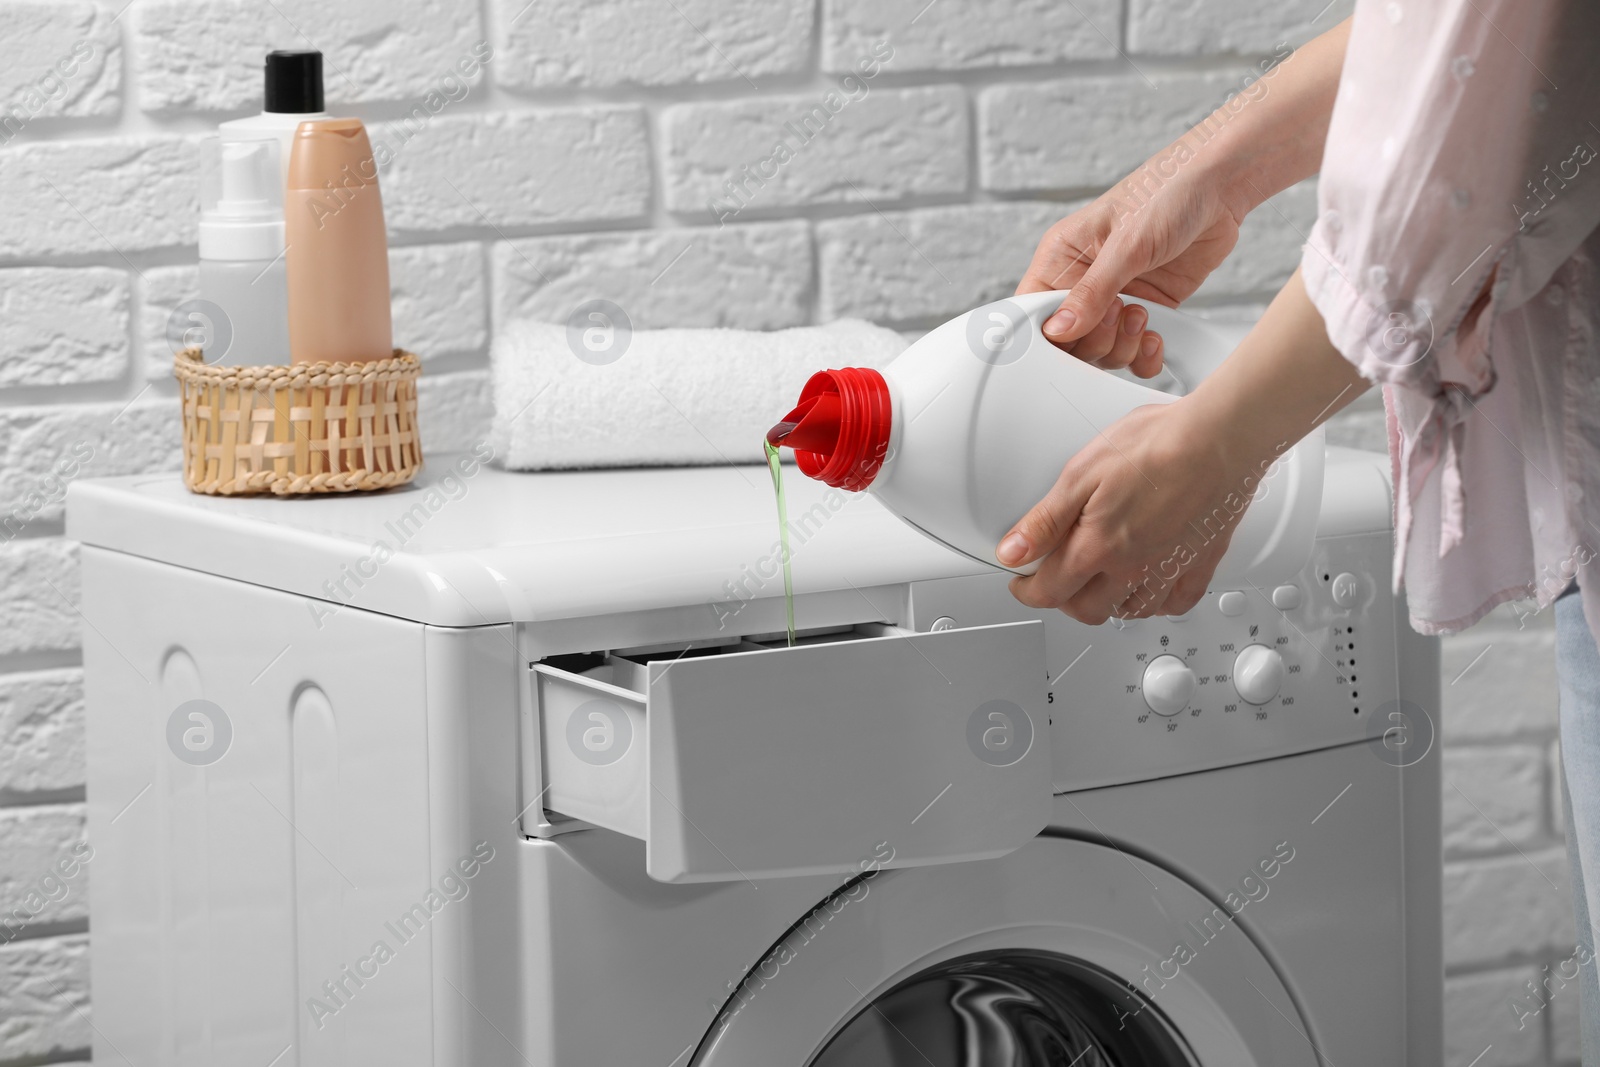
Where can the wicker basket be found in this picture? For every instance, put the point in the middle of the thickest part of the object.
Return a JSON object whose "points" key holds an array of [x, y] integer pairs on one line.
{"points": [[299, 428]]}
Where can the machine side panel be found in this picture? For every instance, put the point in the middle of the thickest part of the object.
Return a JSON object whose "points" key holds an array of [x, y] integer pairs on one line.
{"points": [[1424, 861], [478, 993], [250, 861]]}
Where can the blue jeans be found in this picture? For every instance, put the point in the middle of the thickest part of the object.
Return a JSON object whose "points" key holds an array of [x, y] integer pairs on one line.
{"points": [[1578, 671]]}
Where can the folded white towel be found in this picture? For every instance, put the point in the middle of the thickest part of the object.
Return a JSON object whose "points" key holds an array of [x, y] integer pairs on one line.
{"points": [[681, 397]]}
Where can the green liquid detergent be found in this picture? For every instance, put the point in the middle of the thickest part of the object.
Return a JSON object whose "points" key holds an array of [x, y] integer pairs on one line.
{"points": [[771, 448]]}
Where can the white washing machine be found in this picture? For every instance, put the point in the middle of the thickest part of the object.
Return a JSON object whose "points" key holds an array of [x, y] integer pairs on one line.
{"points": [[508, 769]]}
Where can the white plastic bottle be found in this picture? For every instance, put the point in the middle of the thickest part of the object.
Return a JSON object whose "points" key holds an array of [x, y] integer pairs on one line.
{"points": [[242, 252], [291, 94], [964, 432], [242, 265]]}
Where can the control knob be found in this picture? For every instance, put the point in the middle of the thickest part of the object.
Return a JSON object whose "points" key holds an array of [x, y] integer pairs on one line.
{"points": [[1168, 685], [1258, 674]]}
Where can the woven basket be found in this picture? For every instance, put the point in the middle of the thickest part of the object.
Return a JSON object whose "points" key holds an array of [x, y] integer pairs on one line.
{"points": [[299, 428]]}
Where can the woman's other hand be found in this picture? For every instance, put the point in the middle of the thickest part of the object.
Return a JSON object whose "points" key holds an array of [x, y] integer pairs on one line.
{"points": [[1136, 524]]}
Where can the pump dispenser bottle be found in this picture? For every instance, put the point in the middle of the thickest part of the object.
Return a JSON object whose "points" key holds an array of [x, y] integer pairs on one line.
{"points": [[241, 248]]}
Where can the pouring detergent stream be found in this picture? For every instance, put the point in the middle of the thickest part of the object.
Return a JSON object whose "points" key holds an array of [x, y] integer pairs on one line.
{"points": [[814, 424], [770, 446], [966, 430]]}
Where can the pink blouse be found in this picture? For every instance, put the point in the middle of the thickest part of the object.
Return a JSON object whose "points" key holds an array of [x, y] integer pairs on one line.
{"points": [[1454, 261]]}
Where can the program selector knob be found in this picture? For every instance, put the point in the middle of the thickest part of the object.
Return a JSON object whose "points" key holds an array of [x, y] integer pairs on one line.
{"points": [[1168, 685], [1258, 674]]}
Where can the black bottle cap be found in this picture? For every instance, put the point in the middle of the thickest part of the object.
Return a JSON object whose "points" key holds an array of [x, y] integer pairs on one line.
{"points": [[294, 82]]}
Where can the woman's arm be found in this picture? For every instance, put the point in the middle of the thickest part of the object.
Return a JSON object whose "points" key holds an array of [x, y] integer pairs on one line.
{"points": [[1276, 139]]}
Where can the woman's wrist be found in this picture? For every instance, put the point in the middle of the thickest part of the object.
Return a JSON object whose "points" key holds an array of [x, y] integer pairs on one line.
{"points": [[1283, 381], [1225, 169], [1270, 136], [1220, 424]]}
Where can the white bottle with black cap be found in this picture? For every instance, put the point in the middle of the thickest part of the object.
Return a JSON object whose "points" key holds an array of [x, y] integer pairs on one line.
{"points": [[243, 171], [292, 95]]}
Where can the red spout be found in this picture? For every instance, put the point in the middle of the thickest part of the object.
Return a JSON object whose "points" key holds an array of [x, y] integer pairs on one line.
{"points": [[839, 430], [813, 426]]}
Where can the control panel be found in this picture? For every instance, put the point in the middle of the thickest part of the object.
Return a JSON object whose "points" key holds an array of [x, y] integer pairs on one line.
{"points": [[1246, 674]]}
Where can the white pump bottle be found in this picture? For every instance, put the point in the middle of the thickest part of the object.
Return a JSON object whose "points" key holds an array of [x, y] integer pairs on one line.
{"points": [[964, 432], [242, 270]]}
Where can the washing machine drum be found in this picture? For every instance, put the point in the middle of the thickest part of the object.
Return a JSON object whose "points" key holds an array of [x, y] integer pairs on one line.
{"points": [[1000, 1009], [1051, 956]]}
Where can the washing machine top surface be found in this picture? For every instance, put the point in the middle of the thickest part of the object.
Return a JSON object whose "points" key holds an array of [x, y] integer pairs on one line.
{"points": [[468, 544]]}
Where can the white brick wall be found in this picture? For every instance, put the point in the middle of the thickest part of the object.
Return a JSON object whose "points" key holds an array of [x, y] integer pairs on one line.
{"points": [[969, 35], [600, 43], [1507, 909], [887, 145], [63, 326], [584, 160]]}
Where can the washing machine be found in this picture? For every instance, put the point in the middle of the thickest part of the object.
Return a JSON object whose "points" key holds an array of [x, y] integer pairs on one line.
{"points": [[504, 769]]}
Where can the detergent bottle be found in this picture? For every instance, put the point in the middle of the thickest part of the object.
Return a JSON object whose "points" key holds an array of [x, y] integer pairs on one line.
{"points": [[964, 432]]}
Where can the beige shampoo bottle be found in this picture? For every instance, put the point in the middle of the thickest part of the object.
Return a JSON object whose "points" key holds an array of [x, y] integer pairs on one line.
{"points": [[338, 254]]}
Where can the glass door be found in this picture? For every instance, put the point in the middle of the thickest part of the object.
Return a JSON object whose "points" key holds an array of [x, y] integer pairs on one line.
{"points": [[1008, 1009]]}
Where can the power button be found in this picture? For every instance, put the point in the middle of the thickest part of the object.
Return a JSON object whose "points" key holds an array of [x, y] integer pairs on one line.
{"points": [[1345, 587]]}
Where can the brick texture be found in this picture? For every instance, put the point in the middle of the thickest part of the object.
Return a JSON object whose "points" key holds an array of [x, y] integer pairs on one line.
{"points": [[63, 60], [944, 36], [1080, 132], [930, 264], [1479, 1024], [162, 290], [1492, 797], [511, 169], [1506, 908], [441, 299], [42, 880], [105, 197], [41, 731], [205, 55], [45, 446], [595, 43], [821, 148], [456, 408], [751, 276], [44, 997], [1196, 27], [39, 595], [58, 327]]}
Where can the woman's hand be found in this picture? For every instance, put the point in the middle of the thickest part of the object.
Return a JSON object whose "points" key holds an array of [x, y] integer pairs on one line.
{"points": [[1141, 516], [1158, 246], [1159, 232], [1137, 522]]}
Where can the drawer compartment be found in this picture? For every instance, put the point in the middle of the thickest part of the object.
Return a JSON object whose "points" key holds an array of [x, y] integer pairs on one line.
{"points": [[875, 745]]}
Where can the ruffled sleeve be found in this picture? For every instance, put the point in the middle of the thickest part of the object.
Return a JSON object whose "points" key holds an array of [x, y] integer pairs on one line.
{"points": [[1460, 171]]}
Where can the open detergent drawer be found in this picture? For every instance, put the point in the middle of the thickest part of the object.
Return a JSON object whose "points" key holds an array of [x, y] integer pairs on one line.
{"points": [[872, 747]]}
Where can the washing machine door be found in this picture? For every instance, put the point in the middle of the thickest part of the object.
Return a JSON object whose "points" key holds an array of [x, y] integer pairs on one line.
{"points": [[1062, 953]]}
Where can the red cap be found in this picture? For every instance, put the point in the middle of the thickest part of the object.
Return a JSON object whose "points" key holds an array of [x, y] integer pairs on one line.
{"points": [[840, 428]]}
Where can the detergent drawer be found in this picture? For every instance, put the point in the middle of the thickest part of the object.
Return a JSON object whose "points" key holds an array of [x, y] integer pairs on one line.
{"points": [[873, 747]]}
